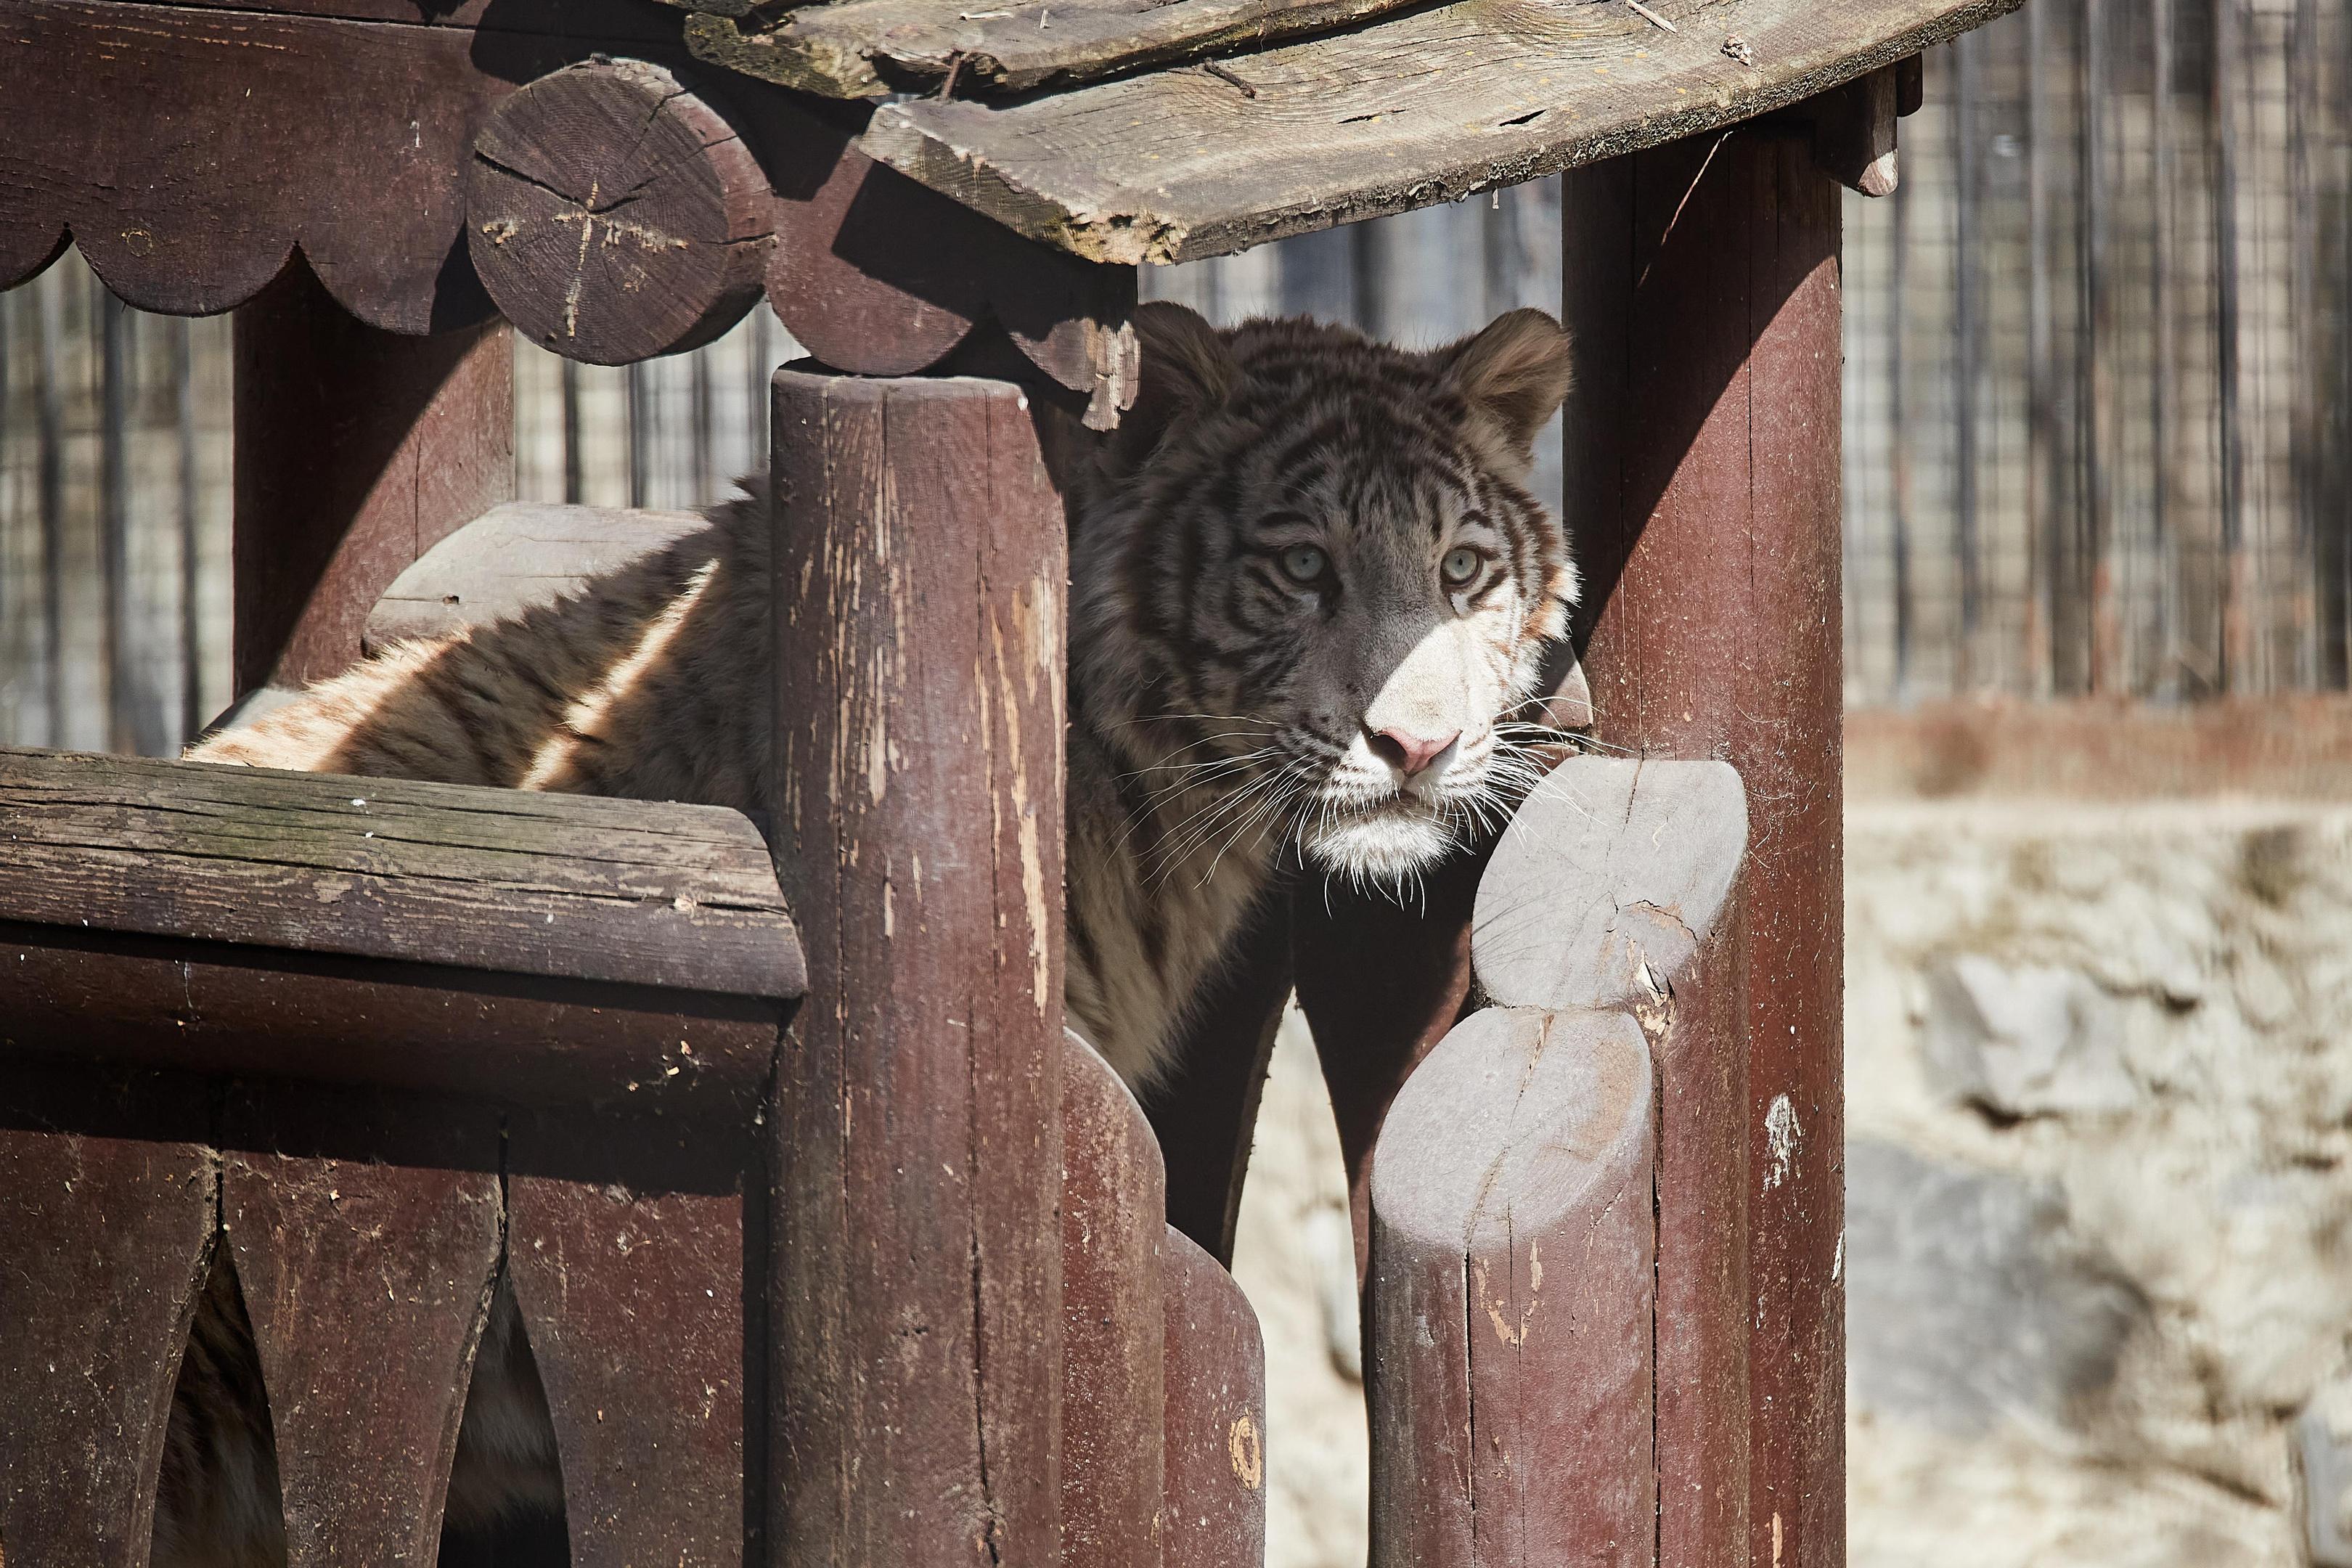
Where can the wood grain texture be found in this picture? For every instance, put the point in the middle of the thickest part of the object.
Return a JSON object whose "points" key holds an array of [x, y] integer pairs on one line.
{"points": [[1606, 881], [614, 215], [1509, 1356], [1702, 444], [632, 1283], [1427, 106], [103, 1242], [368, 1283], [870, 49], [421, 434], [920, 571], [521, 556], [197, 219], [1853, 132], [1114, 1342], [1215, 1422], [506, 880], [874, 273]]}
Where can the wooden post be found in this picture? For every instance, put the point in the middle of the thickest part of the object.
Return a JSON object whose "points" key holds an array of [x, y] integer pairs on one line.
{"points": [[357, 449], [920, 568], [1701, 285]]}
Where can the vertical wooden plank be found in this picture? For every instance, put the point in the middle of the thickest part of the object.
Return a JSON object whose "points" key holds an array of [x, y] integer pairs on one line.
{"points": [[920, 565], [627, 1247], [1703, 447], [103, 1244], [1509, 1367], [2094, 333], [2234, 662], [48, 421], [127, 729], [2044, 506], [2164, 269], [1967, 355], [1114, 1341], [181, 371], [367, 1280], [1215, 1420], [357, 450]]}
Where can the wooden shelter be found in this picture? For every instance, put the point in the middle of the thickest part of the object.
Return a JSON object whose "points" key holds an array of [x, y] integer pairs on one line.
{"points": [[832, 1245]]}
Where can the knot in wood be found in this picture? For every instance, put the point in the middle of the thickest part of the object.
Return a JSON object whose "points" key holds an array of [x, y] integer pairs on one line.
{"points": [[614, 215]]}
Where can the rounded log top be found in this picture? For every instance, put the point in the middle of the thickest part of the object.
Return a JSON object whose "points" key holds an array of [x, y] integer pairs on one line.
{"points": [[1520, 1116], [613, 215], [1607, 881]]}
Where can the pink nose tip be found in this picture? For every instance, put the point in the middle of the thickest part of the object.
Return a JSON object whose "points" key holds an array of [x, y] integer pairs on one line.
{"points": [[1410, 753]]}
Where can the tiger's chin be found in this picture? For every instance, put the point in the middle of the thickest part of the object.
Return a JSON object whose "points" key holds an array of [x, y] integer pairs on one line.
{"points": [[1390, 843]]}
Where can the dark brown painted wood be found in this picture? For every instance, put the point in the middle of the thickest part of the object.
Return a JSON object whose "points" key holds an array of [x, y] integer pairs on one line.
{"points": [[1854, 133], [614, 214], [920, 571], [1702, 448], [1609, 890], [1205, 1111], [506, 880], [367, 1282], [103, 1243], [1509, 1308], [357, 450], [627, 1247], [1114, 1341], [515, 558], [1215, 1422], [1422, 106], [200, 220]]}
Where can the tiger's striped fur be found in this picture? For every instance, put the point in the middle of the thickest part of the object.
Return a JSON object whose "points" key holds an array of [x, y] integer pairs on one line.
{"points": [[1225, 711]]}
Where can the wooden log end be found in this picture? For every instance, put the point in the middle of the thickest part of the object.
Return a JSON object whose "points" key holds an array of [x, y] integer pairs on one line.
{"points": [[1607, 881], [614, 215]]}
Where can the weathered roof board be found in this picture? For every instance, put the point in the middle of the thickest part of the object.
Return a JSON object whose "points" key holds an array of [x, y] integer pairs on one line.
{"points": [[1427, 106], [869, 48], [1411, 108]]}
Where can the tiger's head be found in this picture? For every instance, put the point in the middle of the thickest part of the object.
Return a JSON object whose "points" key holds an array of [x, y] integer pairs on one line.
{"points": [[1312, 585]]}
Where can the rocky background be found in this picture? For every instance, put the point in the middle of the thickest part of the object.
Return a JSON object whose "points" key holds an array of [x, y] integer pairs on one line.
{"points": [[2099, 1197]]}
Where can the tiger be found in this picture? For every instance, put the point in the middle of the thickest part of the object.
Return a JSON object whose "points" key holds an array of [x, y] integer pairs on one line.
{"points": [[1310, 590]]}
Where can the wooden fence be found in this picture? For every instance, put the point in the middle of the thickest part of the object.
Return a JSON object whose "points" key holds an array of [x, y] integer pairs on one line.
{"points": [[2099, 390]]}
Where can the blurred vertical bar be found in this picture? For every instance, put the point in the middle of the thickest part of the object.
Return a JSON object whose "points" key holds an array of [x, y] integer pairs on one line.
{"points": [[2102, 673], [763, 367], [2314, 616], [181, 369], [2164, 542], [48, 416], [1318, 275], [2339, 507], [2233, 673], [1898, 434], [1968, 352], [705, 472], [114, 521], [574, 482], [637, 421], [2041, 509]]}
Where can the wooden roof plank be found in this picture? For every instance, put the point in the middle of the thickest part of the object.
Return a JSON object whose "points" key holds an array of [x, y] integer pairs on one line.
{"points": [[869, 48], [1427, 106]]}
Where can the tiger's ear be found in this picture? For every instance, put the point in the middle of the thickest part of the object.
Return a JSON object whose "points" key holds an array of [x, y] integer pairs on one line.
{"points": [[1187, 370], [1514, 375]]}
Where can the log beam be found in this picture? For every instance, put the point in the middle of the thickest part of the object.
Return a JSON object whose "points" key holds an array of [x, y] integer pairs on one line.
{"points": [[1702, 448]]}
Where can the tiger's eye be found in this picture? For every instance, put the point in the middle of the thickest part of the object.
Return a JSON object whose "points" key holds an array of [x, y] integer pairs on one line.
{"points": [[1459, 566], [1302, 563]]}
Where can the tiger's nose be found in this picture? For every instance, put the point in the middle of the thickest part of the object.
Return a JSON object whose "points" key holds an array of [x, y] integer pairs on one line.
{"points": [[1409, 754]]}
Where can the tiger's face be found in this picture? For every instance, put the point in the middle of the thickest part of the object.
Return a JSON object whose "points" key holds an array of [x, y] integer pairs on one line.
{"points": [[1320, 586]]}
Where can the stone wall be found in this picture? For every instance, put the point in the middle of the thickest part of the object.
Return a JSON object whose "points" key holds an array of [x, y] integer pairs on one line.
{"points": [[2099, 1193]]}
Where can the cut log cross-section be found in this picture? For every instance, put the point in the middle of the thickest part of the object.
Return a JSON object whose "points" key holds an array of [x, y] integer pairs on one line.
{"points": [[1556, 1351], [614, 215]]}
